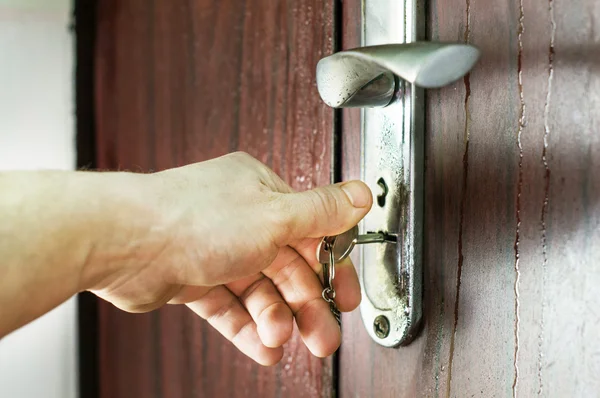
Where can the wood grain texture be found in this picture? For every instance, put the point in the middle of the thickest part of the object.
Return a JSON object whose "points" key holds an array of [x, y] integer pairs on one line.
{"points": [[184, 81], [512, 216]]}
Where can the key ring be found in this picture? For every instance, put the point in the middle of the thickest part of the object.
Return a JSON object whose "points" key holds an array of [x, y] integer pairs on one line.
{"points": [[328, 292], [331, 264]]}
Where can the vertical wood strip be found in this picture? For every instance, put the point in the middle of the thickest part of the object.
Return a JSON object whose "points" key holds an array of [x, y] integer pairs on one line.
{"points": [[184, 81], [512, 214]]}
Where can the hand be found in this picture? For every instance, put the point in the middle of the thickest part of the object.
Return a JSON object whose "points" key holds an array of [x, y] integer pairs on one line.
{"points": [[232, 241]]}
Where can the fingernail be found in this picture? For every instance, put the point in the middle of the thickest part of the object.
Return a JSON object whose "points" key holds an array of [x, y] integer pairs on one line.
{"points": [[358, 193]]}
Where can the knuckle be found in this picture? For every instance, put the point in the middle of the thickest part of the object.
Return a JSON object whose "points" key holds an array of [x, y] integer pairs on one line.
{"points": [[221, 311], [248, 160], [285, 275], [242, 330], [252, 165], [240, 155], [327, 201], [273, 180], [270, 312], [254, 287], [308, 305]]}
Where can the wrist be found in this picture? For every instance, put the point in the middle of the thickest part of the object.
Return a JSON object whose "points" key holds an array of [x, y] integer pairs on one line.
{"points": [[120, 227]]}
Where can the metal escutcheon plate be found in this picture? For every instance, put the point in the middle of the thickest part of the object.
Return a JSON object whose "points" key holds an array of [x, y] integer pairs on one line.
{"points": [[385, 77], [392, 152]]}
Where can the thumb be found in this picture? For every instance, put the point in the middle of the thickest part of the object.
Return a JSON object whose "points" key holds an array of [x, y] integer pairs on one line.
{"points": [[328, 210]]}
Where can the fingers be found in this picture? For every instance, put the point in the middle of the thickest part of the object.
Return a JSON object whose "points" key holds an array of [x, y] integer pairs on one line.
{"points": [[225, 313], [328, 210], [271, 314], [291, 286], [346, 283], [301, 289]]}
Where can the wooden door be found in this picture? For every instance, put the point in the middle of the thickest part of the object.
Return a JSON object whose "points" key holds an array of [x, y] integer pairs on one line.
{"points": [[512, 217], [511, 195], [181, 81]]}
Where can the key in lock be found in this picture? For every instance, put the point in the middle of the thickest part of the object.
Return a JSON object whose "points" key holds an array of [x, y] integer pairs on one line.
{"points": [[333, 249], [343, 243]]}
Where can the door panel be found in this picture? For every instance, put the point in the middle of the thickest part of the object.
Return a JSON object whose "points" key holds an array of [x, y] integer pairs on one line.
{"points": [[512, 223], [184, 81]]}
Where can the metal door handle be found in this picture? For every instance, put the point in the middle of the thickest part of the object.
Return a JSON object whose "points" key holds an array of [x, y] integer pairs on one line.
{"points": [[387, 80], [365, 76]]}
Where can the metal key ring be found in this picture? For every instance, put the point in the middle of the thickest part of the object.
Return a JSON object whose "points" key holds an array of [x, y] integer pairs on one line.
{"points": [[328, 294], [331, 265], [342, 245]]}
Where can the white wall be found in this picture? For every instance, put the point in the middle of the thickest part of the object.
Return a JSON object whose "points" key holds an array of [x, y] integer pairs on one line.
{"points": [[37, 131]]}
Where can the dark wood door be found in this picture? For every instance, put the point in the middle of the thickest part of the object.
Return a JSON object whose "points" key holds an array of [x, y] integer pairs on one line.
{"points": [[184, 81], [512, 217], [512, 255]]}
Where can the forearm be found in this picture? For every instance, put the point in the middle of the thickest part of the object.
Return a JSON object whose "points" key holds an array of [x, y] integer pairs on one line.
{"points": [[60, 232]]}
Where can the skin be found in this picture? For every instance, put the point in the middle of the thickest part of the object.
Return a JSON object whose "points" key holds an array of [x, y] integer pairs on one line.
{"points": [[226, 237]]}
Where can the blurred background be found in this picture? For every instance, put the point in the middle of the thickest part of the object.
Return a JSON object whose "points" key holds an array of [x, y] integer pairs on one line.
{"points": [[37, 130]]}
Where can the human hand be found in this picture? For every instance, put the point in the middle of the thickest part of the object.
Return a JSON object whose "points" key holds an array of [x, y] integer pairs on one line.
{"points": [[232, 241]]}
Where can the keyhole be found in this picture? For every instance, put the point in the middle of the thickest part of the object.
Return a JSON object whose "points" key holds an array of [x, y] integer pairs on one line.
{"points": [[384, 192]]}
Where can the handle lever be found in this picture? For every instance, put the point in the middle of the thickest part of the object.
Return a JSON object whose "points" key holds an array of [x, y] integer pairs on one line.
{"points": [[366, 76]]}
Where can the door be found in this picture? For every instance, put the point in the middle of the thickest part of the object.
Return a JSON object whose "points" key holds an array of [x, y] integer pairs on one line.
{"points": [[512, 157], [185, 81], [512, 224]]}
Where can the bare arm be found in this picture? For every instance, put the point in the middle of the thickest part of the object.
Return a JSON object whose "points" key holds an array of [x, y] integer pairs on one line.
{"points": [[226, 237], [51, 223]]}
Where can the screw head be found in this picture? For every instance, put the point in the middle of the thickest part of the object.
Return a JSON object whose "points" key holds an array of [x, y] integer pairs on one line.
{"points": [[381, 326]]}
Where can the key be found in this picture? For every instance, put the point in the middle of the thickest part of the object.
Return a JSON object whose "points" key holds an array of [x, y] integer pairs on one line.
{"points": [[336, 248], [344, 243]]}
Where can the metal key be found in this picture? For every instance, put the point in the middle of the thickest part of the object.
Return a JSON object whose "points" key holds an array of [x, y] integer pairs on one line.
{"points": [[344, 243], [337, 248]]}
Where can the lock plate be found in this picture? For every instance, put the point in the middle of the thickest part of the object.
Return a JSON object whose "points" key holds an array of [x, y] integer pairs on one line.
{"points": [[392, 165]]}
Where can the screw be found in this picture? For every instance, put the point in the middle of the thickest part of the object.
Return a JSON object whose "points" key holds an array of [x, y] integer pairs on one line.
{"points": [[381, 326], [384, 192]]}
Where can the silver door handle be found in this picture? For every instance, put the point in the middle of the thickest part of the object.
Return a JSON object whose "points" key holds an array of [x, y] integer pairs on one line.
{"points": [[388, 81], [365, 76]]}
